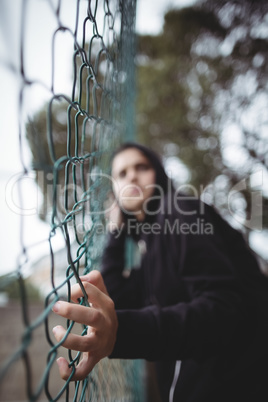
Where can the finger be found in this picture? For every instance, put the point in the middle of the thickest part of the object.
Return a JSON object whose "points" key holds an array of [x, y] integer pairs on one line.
{"points": [[82, 370], [80, 314], [96, 279], [75, 342], [95, 296], [64, 369], [85, 366]]}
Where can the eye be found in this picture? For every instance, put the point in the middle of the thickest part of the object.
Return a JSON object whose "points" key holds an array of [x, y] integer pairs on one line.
{"points": [[122, 174]]}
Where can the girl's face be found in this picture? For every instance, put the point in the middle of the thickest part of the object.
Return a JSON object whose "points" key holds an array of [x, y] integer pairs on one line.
{"points": [[134, 181]]}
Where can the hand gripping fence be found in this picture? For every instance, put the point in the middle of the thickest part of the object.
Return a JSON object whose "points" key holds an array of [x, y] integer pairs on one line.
{"points": [[71, 139]]}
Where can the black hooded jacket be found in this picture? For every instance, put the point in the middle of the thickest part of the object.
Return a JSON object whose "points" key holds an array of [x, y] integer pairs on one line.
{"points": [[197, 305]]}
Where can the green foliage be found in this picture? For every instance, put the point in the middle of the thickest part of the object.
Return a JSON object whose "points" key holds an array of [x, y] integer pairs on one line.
{"points": [[205, 73], [15, 286], [175, 93]]}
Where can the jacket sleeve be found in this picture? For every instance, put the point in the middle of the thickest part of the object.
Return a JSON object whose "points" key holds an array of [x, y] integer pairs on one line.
{"points": [[125, 290], [214, 320]]}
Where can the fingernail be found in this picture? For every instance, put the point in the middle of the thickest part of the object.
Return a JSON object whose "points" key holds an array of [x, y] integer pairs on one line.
{"points": [[55, 330], [56, 307]]}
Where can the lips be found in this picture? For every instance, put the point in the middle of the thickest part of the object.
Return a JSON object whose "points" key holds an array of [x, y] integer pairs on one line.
{"points": [[134, 192]]}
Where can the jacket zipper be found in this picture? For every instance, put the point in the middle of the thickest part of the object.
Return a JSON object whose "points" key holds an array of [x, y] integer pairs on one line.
{"points": [[175, 380]]}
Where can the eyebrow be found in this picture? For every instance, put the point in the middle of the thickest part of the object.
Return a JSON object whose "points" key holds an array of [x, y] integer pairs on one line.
{"points": [[143, 163]]}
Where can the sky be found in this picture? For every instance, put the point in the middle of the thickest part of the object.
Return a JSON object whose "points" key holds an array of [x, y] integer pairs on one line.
{"points": [[39, 27]]}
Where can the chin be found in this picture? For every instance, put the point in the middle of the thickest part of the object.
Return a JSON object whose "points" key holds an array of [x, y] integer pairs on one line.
{"points": [[132, 208]]}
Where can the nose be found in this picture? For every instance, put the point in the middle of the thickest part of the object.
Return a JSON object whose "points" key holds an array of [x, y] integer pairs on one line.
{"points": [[132, 175]]}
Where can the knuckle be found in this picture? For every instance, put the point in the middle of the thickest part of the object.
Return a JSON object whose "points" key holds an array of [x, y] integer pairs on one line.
{"points": [[110, 304], [86, 286], [87, 344], [95, 317], [65, 376], [95, 277], [97, 274], [75, 288], [67, 309]]}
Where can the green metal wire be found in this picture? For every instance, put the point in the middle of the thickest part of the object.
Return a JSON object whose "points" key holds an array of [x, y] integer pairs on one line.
{"points": [[99, 115]]}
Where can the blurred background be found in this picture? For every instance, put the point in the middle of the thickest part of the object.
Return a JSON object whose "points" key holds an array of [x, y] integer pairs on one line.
{"points": [[201, 101]]}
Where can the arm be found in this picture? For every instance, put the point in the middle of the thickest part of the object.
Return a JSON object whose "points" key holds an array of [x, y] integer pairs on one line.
{"points": [[200, 328], [213, 320], [214, 317]]}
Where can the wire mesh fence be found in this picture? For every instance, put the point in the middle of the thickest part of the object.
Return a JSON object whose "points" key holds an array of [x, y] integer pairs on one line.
{"points": [[70, 136]]}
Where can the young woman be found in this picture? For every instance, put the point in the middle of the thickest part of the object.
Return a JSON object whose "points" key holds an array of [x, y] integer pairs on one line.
{"points": [[197, 305]]}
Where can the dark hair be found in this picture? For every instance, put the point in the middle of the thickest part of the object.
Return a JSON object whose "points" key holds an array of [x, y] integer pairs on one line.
{"points": [[162, 179]]}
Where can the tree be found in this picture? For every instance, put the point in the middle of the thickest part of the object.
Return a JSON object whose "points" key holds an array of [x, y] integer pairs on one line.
{"points": [[202, 81]]}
